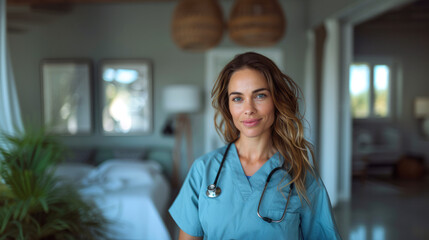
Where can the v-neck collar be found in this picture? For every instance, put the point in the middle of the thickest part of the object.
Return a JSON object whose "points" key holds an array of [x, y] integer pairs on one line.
{"points": [[257, 180]]}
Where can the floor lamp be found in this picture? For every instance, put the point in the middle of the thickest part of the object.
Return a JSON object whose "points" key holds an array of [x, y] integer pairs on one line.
{"points": [[181, 100]]}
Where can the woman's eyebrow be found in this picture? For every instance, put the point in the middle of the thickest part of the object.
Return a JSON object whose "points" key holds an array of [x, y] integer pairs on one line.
{"points": [[260, 89], [235, 93], [254, 91]]}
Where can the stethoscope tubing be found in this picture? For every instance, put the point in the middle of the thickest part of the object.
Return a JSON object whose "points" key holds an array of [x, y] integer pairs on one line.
{"points": [[221, 164], [267, 219], [213, 191]]}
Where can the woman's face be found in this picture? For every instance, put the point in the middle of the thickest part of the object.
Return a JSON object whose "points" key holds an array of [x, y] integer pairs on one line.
{"points": [[250, 103]]}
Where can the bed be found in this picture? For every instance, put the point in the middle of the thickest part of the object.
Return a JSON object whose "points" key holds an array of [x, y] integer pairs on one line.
{"points": [[133, 195]]}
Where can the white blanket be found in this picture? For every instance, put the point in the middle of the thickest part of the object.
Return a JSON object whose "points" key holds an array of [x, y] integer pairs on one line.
{"points": [[135, 212], [132, 197]]}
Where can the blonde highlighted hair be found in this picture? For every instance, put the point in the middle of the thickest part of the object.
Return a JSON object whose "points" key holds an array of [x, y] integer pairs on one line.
{"points": [[287, 129]]}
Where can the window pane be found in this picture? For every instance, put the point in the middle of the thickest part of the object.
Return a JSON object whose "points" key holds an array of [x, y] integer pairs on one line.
{"points": [[381, 90], [359, 90]]}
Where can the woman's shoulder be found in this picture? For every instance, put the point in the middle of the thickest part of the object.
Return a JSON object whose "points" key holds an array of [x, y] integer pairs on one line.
{"points": [[211, 157], [313, 182]]}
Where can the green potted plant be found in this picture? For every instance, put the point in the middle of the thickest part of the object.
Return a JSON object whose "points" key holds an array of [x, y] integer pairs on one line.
{"points": [[32, 203]]}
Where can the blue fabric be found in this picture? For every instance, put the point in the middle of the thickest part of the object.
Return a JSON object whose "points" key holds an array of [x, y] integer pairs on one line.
{"points": [[233, 215], [248, 177]]}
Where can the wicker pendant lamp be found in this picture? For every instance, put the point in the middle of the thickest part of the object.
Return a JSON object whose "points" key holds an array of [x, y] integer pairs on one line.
{"points": [[256, 23], [197, 24]]}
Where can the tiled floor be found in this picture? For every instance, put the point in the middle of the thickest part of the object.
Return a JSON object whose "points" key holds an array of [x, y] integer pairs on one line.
{"points": [[384, 209]]}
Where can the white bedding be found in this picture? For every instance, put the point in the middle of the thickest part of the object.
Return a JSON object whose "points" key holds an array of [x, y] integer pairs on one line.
{"points": [[133, 202]]}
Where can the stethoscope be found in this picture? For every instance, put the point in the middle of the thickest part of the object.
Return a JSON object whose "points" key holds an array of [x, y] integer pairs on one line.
{"points": [[214, 191]]}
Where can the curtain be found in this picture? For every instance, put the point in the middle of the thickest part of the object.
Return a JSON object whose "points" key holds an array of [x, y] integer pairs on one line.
{"points": [[313, 81], [10, 116], [330, 110], [322, 94], [310, 88]]}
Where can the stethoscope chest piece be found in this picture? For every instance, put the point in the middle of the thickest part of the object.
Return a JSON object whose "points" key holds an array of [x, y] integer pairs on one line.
{"points": [[213, 191]]}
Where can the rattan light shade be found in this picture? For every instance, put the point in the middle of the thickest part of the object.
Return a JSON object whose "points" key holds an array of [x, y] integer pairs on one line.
{"points": [[197, 24], [256, 23]]}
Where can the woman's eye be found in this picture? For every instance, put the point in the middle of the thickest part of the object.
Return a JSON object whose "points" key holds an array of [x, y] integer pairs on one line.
{"points": [[261, 96], [236, 99]]}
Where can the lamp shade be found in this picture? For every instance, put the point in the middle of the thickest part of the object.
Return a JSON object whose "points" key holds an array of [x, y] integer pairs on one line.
{"points": [[256, 23], [421, 107], [182, 98], [197, 25]]}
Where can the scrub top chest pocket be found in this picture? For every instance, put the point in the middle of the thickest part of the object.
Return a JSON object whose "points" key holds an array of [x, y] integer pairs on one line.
{"points": [[273, 205]]}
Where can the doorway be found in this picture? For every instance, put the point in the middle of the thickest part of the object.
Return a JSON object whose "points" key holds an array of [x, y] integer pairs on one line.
{"points": [[384, 206]]}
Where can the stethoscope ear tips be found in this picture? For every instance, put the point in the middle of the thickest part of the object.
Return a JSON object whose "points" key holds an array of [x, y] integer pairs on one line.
{"points": [[213, 191]]}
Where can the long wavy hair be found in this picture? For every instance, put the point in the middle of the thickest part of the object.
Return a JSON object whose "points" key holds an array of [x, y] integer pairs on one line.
{"points": [[287, 129]]}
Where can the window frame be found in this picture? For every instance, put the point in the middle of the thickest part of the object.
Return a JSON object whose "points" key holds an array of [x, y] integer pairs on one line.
{"points": [[373, 61]]}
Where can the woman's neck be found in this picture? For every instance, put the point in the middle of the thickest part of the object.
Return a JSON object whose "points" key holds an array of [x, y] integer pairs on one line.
{"points": [[255, 150]]}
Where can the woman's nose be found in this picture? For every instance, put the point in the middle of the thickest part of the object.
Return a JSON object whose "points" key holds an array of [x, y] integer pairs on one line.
{"points": [[249, 107]]}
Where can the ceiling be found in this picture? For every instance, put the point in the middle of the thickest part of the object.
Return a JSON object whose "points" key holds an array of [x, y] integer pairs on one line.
{"points": [[22, 14], [412, 16]]}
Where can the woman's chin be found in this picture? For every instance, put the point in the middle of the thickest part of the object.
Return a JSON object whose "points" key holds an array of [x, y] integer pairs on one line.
{"points": [[251, 134]]}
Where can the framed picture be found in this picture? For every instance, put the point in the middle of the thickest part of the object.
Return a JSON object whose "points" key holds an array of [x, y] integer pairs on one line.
{"points": [[66, 95], [126, 96]]}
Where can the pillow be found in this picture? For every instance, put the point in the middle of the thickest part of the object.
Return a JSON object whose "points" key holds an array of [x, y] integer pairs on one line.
{"points": [[105, 154], [129, 154], [72, 173], [114, 173]]}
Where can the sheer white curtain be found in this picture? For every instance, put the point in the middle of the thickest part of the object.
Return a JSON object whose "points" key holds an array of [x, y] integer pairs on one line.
{"points": [[330, 110], [10, 116], [310, 88]]}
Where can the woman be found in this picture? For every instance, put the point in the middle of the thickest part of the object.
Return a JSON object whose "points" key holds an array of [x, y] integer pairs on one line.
{"points": [[228, 193]]}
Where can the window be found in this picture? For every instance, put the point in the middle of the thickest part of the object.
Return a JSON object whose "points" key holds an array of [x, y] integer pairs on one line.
{"points": [[370, 90]]}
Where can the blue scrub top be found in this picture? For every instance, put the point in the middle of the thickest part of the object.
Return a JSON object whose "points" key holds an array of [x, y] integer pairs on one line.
{"points": [[233, 214]]}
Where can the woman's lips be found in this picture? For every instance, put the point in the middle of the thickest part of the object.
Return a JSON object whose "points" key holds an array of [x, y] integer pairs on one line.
{"points": [[251, 122]]}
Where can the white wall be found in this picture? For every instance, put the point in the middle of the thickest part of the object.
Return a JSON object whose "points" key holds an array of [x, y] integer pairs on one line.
{"points": [[319, 10], [132, 30]]}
